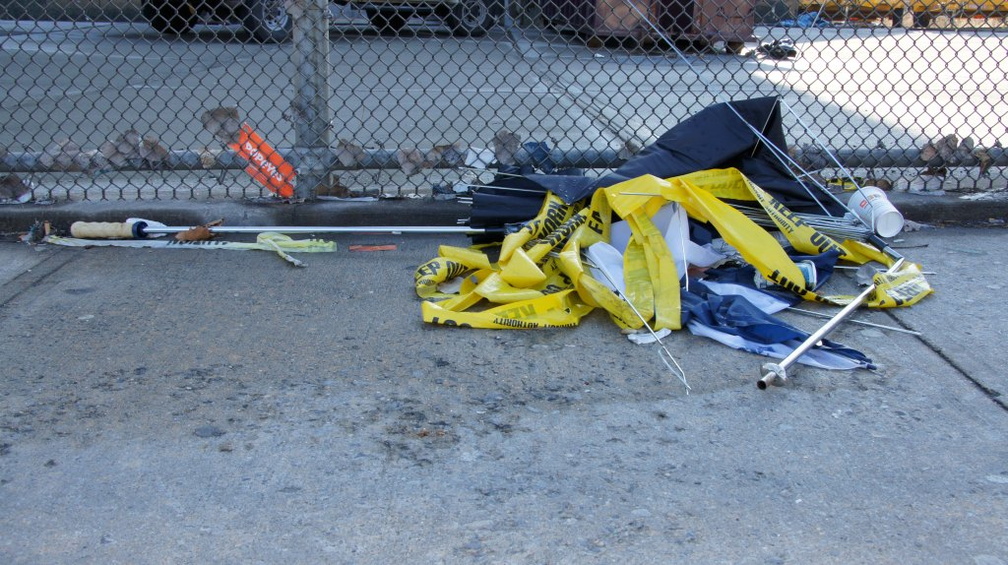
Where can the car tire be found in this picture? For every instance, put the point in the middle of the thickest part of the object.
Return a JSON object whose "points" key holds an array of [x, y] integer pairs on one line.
{"points": [[390, 22], [169, 17], [921, 20], [896, 18], [267, 20], [470, 18]]}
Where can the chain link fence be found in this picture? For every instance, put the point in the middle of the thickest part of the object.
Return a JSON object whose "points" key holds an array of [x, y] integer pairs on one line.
{"points": [[183, 99]]}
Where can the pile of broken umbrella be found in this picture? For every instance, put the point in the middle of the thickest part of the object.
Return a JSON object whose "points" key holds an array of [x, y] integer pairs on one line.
{"points": [[663, 243]]}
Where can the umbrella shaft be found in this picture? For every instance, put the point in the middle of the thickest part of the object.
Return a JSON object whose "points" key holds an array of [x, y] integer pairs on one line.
{"points": [[323, 229]]}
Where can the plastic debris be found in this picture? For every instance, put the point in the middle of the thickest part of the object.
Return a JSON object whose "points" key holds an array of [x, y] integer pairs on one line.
{"points": [[13, 190], [64, 155], [806, 20], [36, 233], [412, 159], [348, 154], [224, 123], [505, 145], [479, 158], [130, 147], [283, 245], [453, 155], [778, 49], [645, 338]]}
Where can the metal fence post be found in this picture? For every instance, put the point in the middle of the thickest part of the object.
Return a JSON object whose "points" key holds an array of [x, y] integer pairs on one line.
{"points": [[310, 106]]}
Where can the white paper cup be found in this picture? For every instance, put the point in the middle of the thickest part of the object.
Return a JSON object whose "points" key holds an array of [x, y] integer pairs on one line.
{"points": [[872, 205]]}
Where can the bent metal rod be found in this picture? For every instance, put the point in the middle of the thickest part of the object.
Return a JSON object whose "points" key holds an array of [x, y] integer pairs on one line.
{"points": [[326, 229], [776, 373]]}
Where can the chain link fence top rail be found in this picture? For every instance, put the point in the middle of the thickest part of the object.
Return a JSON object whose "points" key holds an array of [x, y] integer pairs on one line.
{"points": [[156, 99]]}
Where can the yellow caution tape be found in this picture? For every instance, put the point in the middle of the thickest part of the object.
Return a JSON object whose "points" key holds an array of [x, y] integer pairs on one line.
{"points": [[637, 278], [440, 270], [552, 215], [594, 292], [540, 280], [562, 309], [904, 287], [754, 243], [531, 280]]}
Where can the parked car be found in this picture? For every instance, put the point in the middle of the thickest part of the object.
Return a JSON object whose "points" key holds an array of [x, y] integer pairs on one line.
{"points": [[269, 22], [463, 17], [266, 20]]}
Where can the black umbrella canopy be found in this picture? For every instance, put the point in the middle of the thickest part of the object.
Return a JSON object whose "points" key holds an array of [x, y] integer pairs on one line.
{"points": [[494, 207], [717, 137], [506, 201]]}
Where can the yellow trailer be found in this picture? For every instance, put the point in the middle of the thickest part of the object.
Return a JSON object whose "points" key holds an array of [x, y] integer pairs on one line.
{"points": [[923, 11]]}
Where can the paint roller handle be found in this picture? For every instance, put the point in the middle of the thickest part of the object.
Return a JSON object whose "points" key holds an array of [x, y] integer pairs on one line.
{"points": [[109, 230]]}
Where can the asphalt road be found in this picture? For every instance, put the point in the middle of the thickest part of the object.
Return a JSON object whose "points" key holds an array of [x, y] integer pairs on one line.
{"points": [[897, 77], [195, 406], [850, 87]]}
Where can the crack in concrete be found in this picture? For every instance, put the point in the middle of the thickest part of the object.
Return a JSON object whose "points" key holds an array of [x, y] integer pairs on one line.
{"points": [[18, 285], [994, 395]]}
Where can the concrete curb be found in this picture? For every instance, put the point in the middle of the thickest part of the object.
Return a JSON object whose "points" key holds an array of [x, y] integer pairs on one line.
{"points": [[948, 208], [940, 210], [427, 212]]}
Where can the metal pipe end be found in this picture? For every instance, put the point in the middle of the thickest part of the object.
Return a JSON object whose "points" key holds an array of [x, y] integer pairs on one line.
{"points": [[139, 229], [773, 374]]}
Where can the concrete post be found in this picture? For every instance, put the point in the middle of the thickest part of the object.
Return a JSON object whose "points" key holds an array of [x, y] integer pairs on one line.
{"points": [[310, 106]]}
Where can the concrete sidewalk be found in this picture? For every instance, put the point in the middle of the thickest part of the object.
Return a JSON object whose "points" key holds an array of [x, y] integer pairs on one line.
{"points": [[214, 406]]}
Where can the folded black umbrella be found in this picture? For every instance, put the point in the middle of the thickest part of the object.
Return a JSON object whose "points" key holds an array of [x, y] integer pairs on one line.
{"points": [[506, 202], [719, 136]]}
